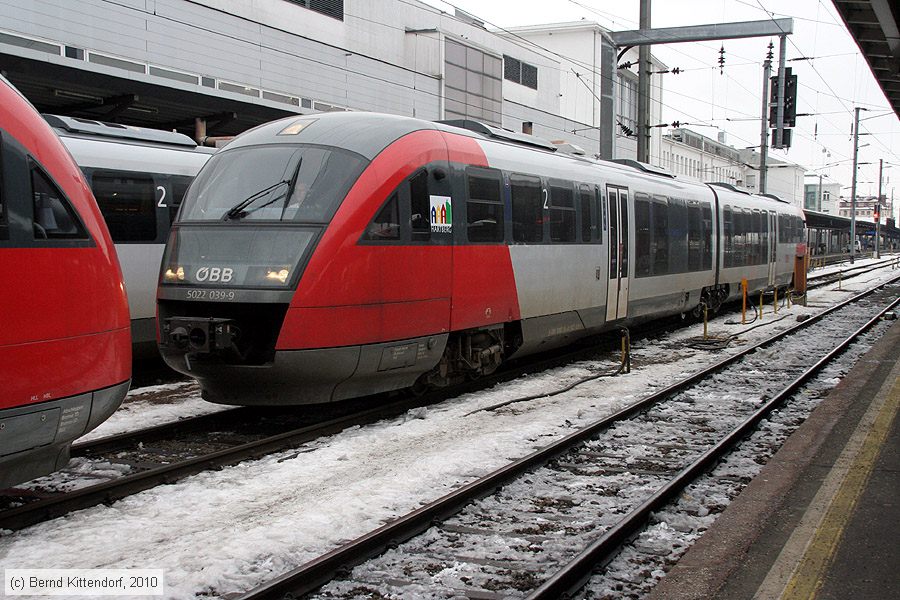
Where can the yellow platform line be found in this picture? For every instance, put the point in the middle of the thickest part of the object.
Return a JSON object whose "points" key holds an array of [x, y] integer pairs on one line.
{"points": [[810, 573]]}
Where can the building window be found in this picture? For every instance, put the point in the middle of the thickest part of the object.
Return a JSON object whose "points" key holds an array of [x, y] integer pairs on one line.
{"points": [[472, 84], [329, 8], [519, 72], [627, 110]]}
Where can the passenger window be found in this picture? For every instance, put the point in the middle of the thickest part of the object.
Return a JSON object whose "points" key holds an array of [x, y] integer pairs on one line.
{"points": [[562, 213], [659, 212], [678, 236], [707, 237], [588, 222], [695, 235], [484, 210], [642, 236], [54, 217], [4, 220], [728, 234], [386, 224], [128, 204], [527, 209], [420, 207]]}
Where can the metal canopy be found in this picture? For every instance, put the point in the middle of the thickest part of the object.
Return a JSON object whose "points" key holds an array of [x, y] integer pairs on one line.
{"points": [[874, 26], [60, 90]]}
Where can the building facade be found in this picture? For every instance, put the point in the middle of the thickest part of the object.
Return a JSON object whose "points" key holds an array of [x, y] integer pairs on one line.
{"points": [[821, 196], [691, 155], [231, 64]]}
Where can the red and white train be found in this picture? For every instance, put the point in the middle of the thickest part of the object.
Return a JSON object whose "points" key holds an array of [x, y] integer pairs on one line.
{"points": [[332, 256], [65, 344]]}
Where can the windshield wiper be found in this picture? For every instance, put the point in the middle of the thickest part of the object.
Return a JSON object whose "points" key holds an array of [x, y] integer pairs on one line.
{"points": [[237, 211]]}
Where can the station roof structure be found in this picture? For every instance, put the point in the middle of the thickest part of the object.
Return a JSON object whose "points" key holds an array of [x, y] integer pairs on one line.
{"points": [[874, 26], [57, 89]]}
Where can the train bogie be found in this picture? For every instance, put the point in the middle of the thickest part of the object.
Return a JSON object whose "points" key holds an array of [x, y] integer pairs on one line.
{"points": [[443, 252]]}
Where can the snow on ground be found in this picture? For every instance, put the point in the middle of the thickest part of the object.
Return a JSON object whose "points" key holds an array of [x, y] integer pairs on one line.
{"points": [[154, 405], [223, 532]]}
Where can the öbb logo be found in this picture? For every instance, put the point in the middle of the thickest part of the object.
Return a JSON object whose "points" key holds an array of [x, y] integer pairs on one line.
{"points": [[214, 274]]}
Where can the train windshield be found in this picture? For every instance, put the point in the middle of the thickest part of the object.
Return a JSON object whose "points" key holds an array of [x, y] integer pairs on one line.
{"points": [[284, 183]]}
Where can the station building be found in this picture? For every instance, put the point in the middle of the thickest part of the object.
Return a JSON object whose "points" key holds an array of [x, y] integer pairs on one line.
{"points": [[219, 67]]}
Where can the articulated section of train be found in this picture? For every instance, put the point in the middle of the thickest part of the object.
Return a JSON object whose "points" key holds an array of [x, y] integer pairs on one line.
{"points": [[65, 345], [327, 257]]}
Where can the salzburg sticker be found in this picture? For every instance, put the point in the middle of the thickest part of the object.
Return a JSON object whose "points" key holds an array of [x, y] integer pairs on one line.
{"points": [[441, 214]]}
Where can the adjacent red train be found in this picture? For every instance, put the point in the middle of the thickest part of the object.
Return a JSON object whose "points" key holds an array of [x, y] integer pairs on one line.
{"points": [[65, 344], [331, 256]]}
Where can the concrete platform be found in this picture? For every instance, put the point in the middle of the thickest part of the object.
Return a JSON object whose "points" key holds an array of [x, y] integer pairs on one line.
{"points": [[822, 519]]}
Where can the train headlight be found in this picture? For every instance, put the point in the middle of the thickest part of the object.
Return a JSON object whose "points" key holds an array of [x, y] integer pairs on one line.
{"points": [[279, 275], [174, 275]]}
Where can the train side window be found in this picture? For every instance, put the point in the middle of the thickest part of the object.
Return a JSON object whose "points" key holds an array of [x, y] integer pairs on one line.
{"points": [[759, 224], [527, 209], [420, 207], [678, 236], [4, 220], [484, 209], [642, 236], [695, 234], [128, 204], [179, 185], [562, 213], [728, 234], [600, 213], [54, 217], [588, 218], [706, 240], [386, 224], [659, 213]]}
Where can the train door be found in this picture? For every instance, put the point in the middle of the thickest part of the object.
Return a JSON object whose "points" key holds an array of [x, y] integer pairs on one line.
{"points": [[772, 248], [617, 293]]}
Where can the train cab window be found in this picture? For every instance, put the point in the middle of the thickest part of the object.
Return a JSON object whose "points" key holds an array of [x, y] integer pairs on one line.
{"points": [[386, 224], [178, 185], [484, 209], [588, 217], [128, 204], [527, 209], [562, 213], [420, 207], [54, 217]]}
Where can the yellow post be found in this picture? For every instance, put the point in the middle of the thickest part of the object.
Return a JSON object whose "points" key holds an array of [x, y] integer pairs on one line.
{"points": [[760, 306], [744, 307], [775, 300]]}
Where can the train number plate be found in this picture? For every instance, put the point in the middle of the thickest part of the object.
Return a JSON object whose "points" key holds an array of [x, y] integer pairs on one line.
{"points": [[215, 295]]}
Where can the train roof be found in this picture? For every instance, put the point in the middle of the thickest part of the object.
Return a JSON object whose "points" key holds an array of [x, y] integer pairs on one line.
{"points": [[89, 128], [371, 133]]}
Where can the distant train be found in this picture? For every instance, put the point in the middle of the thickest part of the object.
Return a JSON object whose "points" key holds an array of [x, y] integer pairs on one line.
{"points": [[65, 345], [338, 255], [138, 177]]}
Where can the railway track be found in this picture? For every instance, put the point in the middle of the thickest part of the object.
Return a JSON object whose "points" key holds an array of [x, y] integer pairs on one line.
{"points": [[539, 526], [136, 461]]}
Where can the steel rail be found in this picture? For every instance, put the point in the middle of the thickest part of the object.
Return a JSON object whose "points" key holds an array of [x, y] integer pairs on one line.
{"points": [[315, 573], [576, 573]]}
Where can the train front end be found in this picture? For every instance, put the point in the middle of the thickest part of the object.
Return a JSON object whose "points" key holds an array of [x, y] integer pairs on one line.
{"points": [[246, 231]]}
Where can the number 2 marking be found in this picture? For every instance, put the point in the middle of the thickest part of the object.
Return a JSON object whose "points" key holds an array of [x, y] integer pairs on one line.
{"points": [[162, 197], [546, 199]]}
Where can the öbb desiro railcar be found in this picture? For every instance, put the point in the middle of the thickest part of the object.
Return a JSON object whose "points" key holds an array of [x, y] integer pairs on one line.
{"points": [[65, 348], [331, 256]]}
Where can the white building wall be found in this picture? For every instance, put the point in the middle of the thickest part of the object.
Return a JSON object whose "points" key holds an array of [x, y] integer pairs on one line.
{"points": [[577, 48]]}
